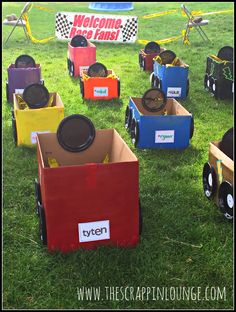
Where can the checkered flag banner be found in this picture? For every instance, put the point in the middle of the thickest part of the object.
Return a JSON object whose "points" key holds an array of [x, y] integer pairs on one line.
{"points": [[63, 25], [129, 29]]}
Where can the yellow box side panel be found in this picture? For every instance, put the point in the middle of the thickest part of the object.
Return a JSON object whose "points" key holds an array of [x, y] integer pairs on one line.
{"points": [[28, 122]]}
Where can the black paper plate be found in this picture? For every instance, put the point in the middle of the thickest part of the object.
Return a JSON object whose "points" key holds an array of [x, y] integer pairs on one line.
{"points": [[152, 47], [226, 200], [226, 53], [76, 133], [24, 61], [226, 143], [209, 180], [154, 100], [36, 95], [97, 70], [167, 57], [79, 41]]}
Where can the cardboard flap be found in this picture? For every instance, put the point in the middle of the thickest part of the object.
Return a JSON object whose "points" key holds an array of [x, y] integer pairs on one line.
{"points": [[226, 161]]}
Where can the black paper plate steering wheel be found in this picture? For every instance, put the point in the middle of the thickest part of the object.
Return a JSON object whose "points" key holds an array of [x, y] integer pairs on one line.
{"points": [[76, 133], [97, 70], [152, 47], [36, 95], [154, 100], [167, 57], [24, 61], [79, 41], [226, 53]]}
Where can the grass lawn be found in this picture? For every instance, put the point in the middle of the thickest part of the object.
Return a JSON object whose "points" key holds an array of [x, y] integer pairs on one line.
{"points": [[185, 240]]}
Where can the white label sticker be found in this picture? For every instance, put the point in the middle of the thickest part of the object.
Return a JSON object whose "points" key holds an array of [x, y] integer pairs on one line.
{"points": [[100, 91], [94, 231], [33, 135], [19, 91], [83, 68], [174, 92], [165, 136]]}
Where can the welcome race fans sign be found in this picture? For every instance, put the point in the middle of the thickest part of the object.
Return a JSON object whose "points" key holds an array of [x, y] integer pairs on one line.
{"points": [[97, 27]]}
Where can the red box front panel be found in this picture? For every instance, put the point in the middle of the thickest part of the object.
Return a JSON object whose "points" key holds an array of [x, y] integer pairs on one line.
{"points": [[100, 88], [76, 195], [82, 57]]}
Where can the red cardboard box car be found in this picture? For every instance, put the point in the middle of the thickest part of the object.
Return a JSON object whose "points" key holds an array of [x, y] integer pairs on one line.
{"points": [[92, 197]]}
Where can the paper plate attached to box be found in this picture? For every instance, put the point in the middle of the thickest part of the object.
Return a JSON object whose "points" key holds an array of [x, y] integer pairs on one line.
{"points": [[226, 53], [24, 61], [36, 95], [97, 70], [167, 57], [154, 100], [79, 41], [152, 47], [76, 133]]}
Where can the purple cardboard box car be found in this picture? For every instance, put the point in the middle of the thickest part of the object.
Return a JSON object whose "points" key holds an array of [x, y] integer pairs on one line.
{"points": [[20, 78]]}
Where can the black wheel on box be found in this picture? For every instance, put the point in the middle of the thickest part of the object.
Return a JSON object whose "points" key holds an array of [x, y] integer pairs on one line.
{"points": [[81, 83], [206, 82], [211, 83], [72, 69], [191, 127], [128, 118], [140, 59], [134, 131], [38, 197], [7, 91], [118, 87], [42, 225], [14, 130], [140, 218], [156, 82], [226, 199], [143, 64], [216, 89], [187, 88], [42, 82], [68, 64], [209, 180]]}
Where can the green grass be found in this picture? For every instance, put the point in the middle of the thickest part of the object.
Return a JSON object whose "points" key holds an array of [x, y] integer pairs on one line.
{"points": [[174, 207]]}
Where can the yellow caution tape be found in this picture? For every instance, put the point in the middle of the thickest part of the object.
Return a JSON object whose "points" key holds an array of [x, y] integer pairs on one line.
{"points": [[45, 40], [106, 159], [219, 170], [43, 9], [159, 14], [217, 12], [52, 162], [50, 102], [219, 60]]}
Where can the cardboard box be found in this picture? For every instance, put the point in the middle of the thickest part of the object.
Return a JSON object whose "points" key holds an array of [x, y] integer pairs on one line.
{"points": [[146, 60], [100, 88], [154, 130], [88, 203], [20, 78], [173, 80], [219, 78], [29, 122], [80, 58]]}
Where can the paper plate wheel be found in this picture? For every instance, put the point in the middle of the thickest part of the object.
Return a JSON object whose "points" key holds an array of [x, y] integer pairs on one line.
{"points": [[24, 61], [36, 95], [97, 70], [167, 57], [79, 41], [128, 118], [42, 225], [226, 53], [154, 100], [209, 180], [152, 47], [134, 132], [226, 199], [76, 133]]}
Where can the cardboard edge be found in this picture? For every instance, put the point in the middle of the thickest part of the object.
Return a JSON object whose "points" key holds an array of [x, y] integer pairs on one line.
{"points": [[216, 152]]}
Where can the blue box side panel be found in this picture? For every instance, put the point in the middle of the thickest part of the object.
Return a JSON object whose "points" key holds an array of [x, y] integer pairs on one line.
{"points": [[172, 77], [149, 125]]}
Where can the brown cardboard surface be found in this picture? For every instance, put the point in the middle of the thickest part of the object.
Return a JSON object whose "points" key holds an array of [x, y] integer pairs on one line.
{"points": [[172, 106], [107, 141]]}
